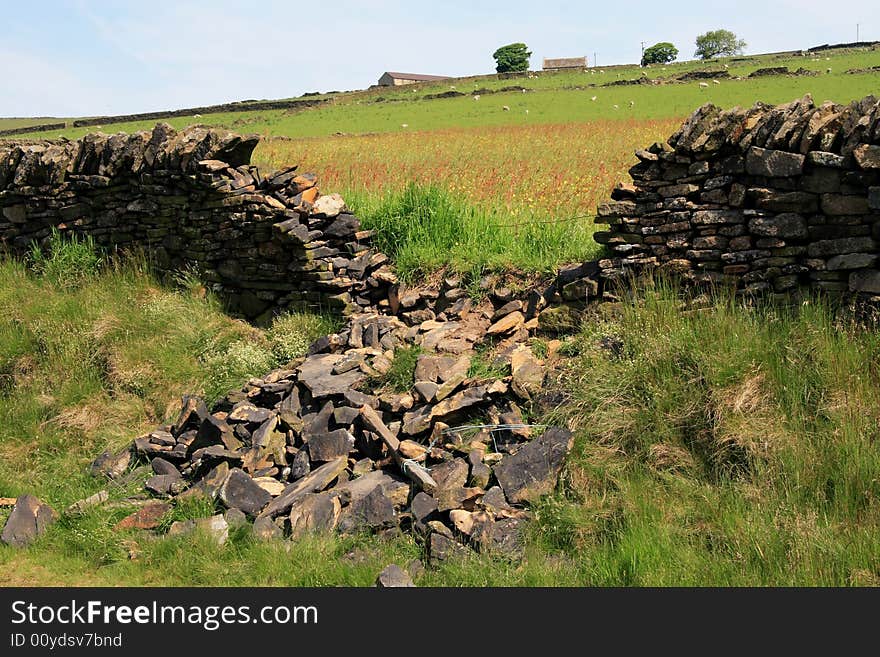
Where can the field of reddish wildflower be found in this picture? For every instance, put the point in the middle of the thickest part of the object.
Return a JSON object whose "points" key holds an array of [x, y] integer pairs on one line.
{"points": [[549, 171]]}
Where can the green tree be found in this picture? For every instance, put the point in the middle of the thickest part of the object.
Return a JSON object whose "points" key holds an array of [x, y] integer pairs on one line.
{"points": [[512, 57], [718, 42], [660, 53]]}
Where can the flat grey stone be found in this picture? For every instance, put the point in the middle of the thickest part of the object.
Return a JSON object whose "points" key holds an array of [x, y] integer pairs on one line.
{"points": [[393, 576], [29, 519]]}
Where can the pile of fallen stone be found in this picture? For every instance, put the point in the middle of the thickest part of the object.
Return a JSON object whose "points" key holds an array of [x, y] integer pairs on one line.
{"points": [[325, 445], [304, 450]]}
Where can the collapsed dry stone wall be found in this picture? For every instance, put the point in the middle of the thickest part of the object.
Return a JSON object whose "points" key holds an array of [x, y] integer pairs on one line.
{"points": [[264, 241], [767, 198]]}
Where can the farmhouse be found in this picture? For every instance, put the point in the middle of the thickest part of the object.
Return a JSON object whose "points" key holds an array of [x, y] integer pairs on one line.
{"points": [[563, 63], [394, 79]]}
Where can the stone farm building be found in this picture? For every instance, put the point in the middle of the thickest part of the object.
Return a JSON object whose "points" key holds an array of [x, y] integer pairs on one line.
{"points": [[394, 79], [563, 63]]}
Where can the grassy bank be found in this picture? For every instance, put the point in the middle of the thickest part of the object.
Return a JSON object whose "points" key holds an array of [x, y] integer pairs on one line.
{"points": [[93, 351], [717, 443], [722, 445]]}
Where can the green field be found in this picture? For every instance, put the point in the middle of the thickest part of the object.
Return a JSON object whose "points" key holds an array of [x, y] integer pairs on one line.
{"points": [[551, 98], [11, 123], [545, 106], [721, 444]]}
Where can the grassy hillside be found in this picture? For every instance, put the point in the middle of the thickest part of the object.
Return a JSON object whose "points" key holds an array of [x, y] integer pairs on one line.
{"points": [[717, 443], [550, 98], [547, 160], [545, 106], [725, 445]]}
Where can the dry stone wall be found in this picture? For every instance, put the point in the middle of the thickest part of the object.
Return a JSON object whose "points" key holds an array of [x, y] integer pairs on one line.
{"points": [[767, 198], [265, 241]]}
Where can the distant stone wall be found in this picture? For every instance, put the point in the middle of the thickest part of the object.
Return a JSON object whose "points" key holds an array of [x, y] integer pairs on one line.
{"points": [[240, 106], [767, 198], [42, 127], [264, 241]]}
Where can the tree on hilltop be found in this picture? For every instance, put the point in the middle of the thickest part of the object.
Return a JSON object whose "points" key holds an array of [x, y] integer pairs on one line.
{"points": [[512, 57], [717, 43], [660, 53]]}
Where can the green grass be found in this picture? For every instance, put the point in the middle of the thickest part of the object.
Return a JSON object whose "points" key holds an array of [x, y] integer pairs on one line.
{"points": [[425, 229], [483, 369], [88, 362], [12, 123], [66, 263], [401, 377], [291, 334], [731, 445], [721, 444]]}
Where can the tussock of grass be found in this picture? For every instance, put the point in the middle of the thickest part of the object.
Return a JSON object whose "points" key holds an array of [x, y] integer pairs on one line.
{"points": [[232, 363], [291, 334], [482, 368], [66, 261], [401, 377]]}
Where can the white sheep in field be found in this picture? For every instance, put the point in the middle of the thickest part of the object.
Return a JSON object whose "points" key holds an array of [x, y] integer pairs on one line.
{"points": [[476, 96], [715, 82], [828, 70], [616, 106], [704, 85], [593, 98], [197, 116], [404, 125], [632, 103], [505, 108], [527, 111]]}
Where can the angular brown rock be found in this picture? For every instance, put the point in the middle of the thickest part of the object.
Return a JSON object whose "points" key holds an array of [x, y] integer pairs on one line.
{"points": [[534, 470]]}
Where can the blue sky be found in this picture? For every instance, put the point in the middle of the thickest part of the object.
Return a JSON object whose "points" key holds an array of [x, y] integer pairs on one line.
{"points": [[79, 57]]}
